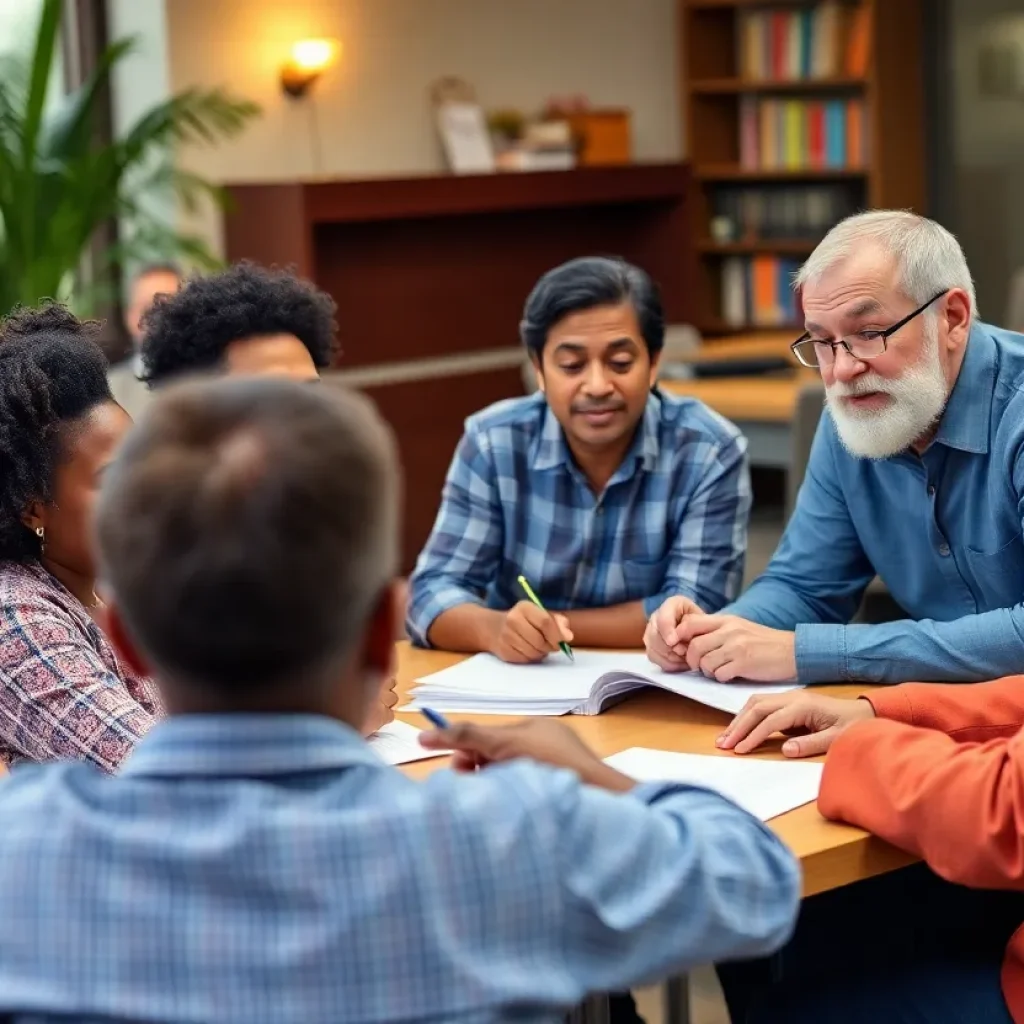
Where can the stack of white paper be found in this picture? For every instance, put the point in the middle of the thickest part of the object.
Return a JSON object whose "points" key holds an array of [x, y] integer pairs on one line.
{"points": [[398, 743], [764, 788], [595, 681]]}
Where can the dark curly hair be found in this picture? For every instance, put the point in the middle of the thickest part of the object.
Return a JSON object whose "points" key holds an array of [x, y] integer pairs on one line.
{"points": [[52, 372], [191, 330]]}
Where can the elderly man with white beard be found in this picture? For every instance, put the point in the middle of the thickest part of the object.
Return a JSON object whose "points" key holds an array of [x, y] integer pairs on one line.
{"points": [[916, 474]]}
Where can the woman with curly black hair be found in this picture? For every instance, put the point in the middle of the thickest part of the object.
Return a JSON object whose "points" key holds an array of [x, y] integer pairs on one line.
{"points": [[247, 319], [64, 692]]}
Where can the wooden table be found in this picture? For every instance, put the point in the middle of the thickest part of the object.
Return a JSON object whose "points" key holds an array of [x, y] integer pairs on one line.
{"points": [[832, 855]]}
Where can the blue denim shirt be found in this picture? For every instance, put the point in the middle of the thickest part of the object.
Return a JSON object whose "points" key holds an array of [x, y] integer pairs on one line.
{"points": [[943, 530]]}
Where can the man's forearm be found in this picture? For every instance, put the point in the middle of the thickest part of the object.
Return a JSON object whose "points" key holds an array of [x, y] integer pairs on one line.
{"points": [[775, 603], [618, 625], [971, 649], [468, 628]]}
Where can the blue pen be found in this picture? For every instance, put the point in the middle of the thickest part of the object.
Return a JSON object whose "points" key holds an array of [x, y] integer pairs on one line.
{"points": [[438, 721]]}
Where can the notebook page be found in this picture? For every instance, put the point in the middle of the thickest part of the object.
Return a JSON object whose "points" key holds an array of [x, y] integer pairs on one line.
{"points": [[398, 743], [764, 788], [556, 678], [724, 696]]}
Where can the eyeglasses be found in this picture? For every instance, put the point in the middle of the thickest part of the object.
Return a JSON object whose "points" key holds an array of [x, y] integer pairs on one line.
{"points": [[864, 345]]}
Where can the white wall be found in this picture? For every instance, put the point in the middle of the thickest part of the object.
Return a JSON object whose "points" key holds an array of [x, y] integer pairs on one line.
{"points": [[142, 79], [18, 21], [373, 108], [988, 135]]}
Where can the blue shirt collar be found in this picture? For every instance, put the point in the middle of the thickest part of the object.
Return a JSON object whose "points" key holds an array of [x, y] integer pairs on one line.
{"points": [[246, 746], [551, 451], [966, 420]]}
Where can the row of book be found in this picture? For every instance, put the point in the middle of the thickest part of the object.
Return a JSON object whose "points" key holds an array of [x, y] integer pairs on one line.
{"points": [[801, 135], [826, 41], [780, 212], [757, 291]]}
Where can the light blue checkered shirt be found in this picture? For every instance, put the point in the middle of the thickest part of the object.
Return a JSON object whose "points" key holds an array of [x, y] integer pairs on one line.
{"points": [[269, 869], [672, 520]]}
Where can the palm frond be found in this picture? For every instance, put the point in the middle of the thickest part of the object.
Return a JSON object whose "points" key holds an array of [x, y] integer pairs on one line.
{"points": [[58, 185]]}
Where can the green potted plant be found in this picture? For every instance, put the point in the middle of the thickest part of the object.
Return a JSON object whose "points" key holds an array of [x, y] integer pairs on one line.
{"points": [[59, 183]]}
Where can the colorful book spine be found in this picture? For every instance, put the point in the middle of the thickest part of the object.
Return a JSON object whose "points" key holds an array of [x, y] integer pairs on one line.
{"points": [[757, 291], [824, 41], [750, 145], [798, 134]]}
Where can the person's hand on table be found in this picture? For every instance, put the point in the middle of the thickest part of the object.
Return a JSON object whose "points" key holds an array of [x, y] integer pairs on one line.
{"points": [[821, 719], [539, 739], [726, 647], [382, 711], [527, 634], [662, 639]]}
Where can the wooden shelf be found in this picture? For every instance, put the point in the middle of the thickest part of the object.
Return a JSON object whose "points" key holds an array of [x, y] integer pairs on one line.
{"points": [[361, 201], [733, 172], [720, 327], [734, 86], [699, 5], [887, 93], [779, 246]]}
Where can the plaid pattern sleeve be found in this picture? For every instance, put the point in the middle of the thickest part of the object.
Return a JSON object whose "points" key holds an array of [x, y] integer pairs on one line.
{"points": [[464, 548], [270, 868], [710, 545], [59, 698]]}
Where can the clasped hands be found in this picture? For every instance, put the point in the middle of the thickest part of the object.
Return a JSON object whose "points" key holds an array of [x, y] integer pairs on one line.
{"points": [[681, 636]]}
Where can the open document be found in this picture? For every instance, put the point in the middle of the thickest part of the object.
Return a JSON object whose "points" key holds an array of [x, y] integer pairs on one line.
{"points": [[398, 743], [589, 685], [764, 788]]}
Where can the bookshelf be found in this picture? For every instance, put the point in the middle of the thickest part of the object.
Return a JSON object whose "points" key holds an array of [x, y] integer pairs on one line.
{"points": [[798, 113]]}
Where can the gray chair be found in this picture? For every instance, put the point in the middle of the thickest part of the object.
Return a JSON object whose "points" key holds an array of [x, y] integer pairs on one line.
{"points": [[1015, 303], [809, 405]]}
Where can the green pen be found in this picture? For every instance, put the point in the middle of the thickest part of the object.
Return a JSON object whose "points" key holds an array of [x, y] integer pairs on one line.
{"points": [[563, 646]]}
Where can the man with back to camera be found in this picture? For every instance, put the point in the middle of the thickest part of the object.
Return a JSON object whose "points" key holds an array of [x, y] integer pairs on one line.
{"points": [[916, 474], [607, 495], [247, 320], [255, 846], [128, 377]]}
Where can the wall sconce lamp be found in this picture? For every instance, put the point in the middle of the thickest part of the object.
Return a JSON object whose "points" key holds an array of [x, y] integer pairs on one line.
{"points": [[309, 59]]}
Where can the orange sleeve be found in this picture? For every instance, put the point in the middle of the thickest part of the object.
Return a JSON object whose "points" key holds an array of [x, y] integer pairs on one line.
{"points": [[958, 806], [967, 712]]}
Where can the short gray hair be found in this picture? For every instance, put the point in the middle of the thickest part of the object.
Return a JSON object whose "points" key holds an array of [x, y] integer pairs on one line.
{"points": [[247, 529], [928, 257]]}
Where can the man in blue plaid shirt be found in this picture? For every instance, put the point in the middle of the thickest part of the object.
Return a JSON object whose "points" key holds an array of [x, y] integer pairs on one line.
{"points": [[607, 495]]}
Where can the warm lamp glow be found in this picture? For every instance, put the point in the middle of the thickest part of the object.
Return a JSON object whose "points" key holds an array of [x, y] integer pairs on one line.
{"points": [[314, 54], [309, 59]]}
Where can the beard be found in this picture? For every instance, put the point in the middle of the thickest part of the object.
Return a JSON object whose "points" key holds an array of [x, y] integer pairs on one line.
{"points": [[917, 399]]}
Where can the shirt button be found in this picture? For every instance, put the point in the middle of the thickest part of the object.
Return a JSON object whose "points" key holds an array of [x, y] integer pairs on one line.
{"points": [[931, 490], [944, 550]]}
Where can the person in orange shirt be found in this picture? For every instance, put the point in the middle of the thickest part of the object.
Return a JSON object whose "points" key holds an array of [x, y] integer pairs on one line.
{"points": [[938, 771]]}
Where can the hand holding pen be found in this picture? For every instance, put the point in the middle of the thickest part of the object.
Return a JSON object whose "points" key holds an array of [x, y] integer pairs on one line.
{"points": [[540, 739], [529, 633]]}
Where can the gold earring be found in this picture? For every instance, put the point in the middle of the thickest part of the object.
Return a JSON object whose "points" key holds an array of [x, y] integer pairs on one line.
{"points": [[41, 534]]}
